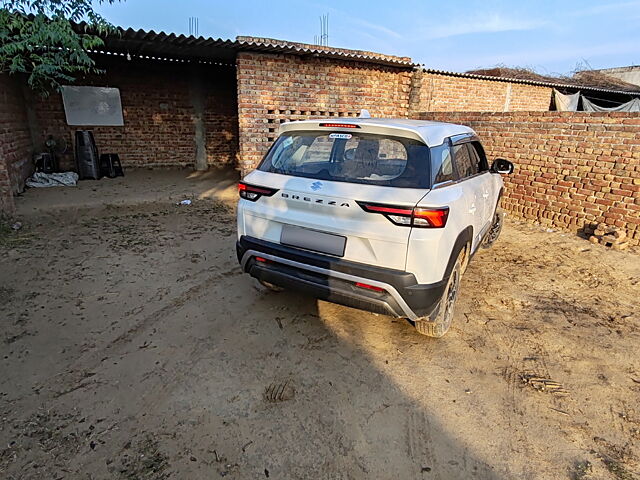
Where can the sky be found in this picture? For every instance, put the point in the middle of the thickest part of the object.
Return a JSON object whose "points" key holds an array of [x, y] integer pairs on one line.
{"points": [[551, 37]]}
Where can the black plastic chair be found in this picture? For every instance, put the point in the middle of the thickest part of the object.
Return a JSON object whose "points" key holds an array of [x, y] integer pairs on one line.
{"points": [[110, 165]]}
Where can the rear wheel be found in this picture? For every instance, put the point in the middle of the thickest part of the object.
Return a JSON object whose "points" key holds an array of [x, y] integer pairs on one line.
{"points": [[495, 229], [440, 323]]}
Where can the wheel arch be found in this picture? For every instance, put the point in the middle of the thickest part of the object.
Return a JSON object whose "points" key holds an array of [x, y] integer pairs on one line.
{"points": [[463, 241]]}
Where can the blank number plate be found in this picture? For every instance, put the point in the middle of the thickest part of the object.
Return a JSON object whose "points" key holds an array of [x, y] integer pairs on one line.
{"points": [[313, 240]]}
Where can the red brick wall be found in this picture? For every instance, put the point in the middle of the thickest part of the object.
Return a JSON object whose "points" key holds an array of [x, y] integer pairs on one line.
{"points": [[444, 93], [158, 114], [275, 88], [15, 143], [572, 169]]}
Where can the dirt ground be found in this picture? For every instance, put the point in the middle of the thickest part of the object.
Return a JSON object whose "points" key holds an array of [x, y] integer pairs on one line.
{"points": [[132, 347]]}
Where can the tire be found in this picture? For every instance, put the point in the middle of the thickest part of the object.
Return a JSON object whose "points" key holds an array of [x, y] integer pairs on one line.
{"points": [[440, 323], [494, 231], [263, 286]]}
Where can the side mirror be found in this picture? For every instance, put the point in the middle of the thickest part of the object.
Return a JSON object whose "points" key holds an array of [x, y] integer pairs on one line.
{"points": [[500, 165]]}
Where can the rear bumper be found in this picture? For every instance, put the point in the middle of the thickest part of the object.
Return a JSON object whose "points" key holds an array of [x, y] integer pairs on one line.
{"points": [[334, 279]]}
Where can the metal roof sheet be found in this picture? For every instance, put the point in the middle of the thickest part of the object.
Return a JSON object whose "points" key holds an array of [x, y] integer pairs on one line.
{"points": [[151, 43], [160, 44]]}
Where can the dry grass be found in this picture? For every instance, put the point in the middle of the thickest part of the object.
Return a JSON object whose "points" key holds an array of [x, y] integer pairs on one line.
{"points": [[579, 77]]}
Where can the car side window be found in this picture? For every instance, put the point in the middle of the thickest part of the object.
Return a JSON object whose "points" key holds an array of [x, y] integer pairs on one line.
{"points": [[442, 164], [478, 156], [464, 162]]}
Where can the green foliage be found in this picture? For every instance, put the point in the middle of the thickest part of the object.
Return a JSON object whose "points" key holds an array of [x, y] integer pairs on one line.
{"points": [[38, 39]]}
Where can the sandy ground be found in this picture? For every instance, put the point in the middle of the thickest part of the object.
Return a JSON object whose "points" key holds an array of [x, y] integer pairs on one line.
{"points": [[132, 347]]}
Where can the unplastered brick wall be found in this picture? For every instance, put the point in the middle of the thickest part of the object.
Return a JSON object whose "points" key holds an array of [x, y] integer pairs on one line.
{"points": [[572, 169], [15, 143], [159, 113], [275, 88], [434, 92]]}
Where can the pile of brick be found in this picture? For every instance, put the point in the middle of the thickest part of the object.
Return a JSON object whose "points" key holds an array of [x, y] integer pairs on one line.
{"points": [[610, 236]]}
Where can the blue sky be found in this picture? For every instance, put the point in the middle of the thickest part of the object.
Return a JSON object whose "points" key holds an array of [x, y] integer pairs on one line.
{"points": [[548, 36]]}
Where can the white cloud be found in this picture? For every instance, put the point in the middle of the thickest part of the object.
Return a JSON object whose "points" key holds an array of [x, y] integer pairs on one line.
{"points": [[376, 27], [492, 23], [345, 18], [604, 8], [537, 58]]}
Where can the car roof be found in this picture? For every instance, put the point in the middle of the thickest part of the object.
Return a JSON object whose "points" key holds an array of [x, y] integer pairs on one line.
{"points": [[432, 133]]}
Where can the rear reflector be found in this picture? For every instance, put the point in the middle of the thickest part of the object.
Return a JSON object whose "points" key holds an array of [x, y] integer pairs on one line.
{"points": [[408, 216], [253, 192], [261, 259], [339, 125], [369, 287]]}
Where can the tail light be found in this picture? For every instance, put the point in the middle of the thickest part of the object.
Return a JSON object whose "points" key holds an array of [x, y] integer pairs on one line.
{"points": [[410, 217], [253, 193]]}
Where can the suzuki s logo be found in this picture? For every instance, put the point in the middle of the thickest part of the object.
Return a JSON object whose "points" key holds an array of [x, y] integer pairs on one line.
{"points": [[315, 186], [318, 200]]}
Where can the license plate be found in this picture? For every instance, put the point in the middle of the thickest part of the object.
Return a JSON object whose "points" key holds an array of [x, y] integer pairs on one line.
{"points": [[313, 240]]}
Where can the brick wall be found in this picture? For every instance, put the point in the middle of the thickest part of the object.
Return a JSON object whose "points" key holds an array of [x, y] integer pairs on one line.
{"points": [[157, 103], [433, 92], [275, 88], [15, 143], [572, 168]]}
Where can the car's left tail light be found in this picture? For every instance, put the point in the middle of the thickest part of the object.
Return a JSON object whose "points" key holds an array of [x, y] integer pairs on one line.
{"points": [[253, 192]]}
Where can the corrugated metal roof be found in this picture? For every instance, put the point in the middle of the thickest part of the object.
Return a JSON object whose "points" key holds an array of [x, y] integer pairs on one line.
{"points": [[529, 82], [159, 44], [171, 46], [283, 46]]}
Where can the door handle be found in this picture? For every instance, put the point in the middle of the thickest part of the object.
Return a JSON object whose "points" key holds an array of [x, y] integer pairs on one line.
{"points": [[485, 195], [473, 208]]}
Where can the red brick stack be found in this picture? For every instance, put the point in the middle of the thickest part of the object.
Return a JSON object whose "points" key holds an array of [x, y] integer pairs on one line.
{"points": [[610, 236]]}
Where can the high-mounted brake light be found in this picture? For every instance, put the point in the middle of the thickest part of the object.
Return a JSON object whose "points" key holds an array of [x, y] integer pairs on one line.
{"points": [[253, 193], [410, 217], [340, 125]]}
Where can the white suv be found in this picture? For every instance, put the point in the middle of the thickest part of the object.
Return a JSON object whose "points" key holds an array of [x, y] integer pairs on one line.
{"points": [[377, 214]]}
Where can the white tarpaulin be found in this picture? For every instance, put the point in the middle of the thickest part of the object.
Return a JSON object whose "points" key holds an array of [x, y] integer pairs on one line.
{"points": [[566, 103], [97, 106], [632, 106], [41, 179]]}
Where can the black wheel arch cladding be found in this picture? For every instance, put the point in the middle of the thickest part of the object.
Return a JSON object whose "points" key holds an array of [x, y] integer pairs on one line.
{"points": [[465, 237]]}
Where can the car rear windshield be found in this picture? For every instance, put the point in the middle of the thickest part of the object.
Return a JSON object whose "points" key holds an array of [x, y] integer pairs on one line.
{"points": [[350, 157]]}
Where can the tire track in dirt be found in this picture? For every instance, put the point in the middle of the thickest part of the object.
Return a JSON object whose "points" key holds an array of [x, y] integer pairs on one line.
{"points": [[419, 444], [99, 356], [175, 304]]}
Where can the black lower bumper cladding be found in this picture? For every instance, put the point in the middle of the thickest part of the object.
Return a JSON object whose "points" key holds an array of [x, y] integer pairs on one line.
{"points": [[419, 299]]}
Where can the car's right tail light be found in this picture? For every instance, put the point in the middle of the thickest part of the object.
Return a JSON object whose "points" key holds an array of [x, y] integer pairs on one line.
{"points": [[253, 192], [410, 217]]}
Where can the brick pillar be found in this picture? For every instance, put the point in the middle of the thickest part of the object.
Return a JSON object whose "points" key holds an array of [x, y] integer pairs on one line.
{"points": [[415, 92], [16, 147], [198, 99], [251, 115]]}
